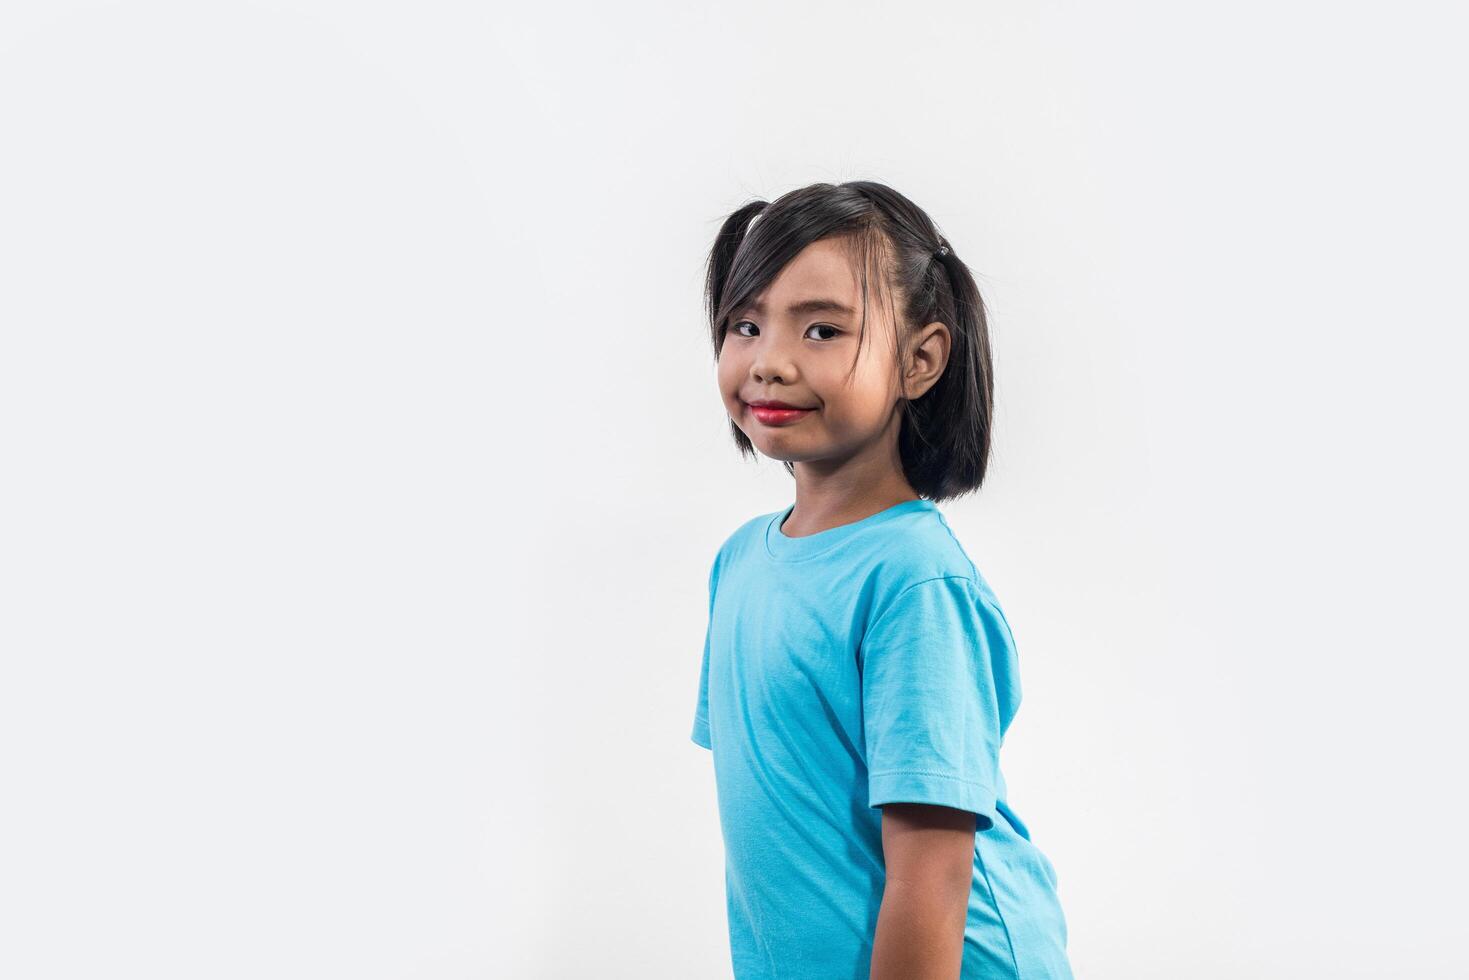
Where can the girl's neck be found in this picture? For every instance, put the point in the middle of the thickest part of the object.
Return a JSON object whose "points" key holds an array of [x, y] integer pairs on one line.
{"points": [[823, 506]]}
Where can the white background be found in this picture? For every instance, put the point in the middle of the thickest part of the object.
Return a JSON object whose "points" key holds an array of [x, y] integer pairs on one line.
{"points": [[363, 463]]}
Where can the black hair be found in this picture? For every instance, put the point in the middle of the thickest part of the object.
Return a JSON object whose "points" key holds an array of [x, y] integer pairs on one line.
{"points": [[944, 439]]}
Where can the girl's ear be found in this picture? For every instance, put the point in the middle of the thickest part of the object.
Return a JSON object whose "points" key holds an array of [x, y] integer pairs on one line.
{"points": [[927, 360]]}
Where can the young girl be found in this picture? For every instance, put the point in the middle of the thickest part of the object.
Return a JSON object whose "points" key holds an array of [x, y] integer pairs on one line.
{"points": [[858, 674]]}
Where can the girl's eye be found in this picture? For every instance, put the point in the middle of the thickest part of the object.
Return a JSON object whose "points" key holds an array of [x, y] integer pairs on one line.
{"points": [[735, 327]]}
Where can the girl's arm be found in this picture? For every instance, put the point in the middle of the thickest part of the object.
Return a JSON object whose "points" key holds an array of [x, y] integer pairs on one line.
{"points": [[929, 855]]}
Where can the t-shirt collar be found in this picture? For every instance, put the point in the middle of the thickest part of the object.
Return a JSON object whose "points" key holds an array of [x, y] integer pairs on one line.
{"points": [[780, 547]]}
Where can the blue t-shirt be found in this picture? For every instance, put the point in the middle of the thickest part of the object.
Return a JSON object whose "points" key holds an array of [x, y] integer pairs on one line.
{"points": [[865, 664]]}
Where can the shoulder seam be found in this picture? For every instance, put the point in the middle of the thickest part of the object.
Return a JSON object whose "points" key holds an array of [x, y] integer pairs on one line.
{"points": [[894, 600], [957, 543]]}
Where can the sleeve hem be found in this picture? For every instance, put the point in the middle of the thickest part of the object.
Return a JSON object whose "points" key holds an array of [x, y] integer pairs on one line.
{"points": [[941, 789], [700, 733]]}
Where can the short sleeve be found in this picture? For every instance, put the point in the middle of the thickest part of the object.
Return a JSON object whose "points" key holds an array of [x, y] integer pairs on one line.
{"points": [[931, 710], [700, 733]]}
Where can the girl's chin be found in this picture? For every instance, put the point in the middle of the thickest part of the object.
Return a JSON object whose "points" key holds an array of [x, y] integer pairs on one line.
{"points": [[785, 451]]}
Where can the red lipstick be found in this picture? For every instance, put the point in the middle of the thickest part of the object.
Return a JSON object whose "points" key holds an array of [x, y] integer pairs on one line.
{"points": [[773, 412]]}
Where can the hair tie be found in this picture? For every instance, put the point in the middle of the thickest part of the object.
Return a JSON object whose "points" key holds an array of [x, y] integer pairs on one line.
{"points": [[943, 250]]}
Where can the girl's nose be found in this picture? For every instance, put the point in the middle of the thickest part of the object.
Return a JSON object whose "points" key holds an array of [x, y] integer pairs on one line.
{"points": [[771, 365]]}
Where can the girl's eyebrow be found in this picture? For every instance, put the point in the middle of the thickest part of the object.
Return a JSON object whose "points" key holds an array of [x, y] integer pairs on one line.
{"points": [[804, 307]]}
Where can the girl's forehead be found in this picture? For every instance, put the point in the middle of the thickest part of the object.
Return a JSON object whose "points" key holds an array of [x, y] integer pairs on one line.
{"points": [[823, 271]]}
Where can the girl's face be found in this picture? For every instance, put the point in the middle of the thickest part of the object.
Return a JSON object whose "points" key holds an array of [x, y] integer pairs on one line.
{"points": [[796, 343]]}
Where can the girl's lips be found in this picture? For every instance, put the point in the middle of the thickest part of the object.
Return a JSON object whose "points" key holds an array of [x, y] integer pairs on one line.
{"points": [[778, 416]]}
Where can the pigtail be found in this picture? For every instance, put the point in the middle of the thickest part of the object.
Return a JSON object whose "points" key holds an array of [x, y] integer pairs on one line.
{"points": [[721, 259], [947, 460]]}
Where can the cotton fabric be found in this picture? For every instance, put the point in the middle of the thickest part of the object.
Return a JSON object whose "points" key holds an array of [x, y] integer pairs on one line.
{"points": [[865, 664]]}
